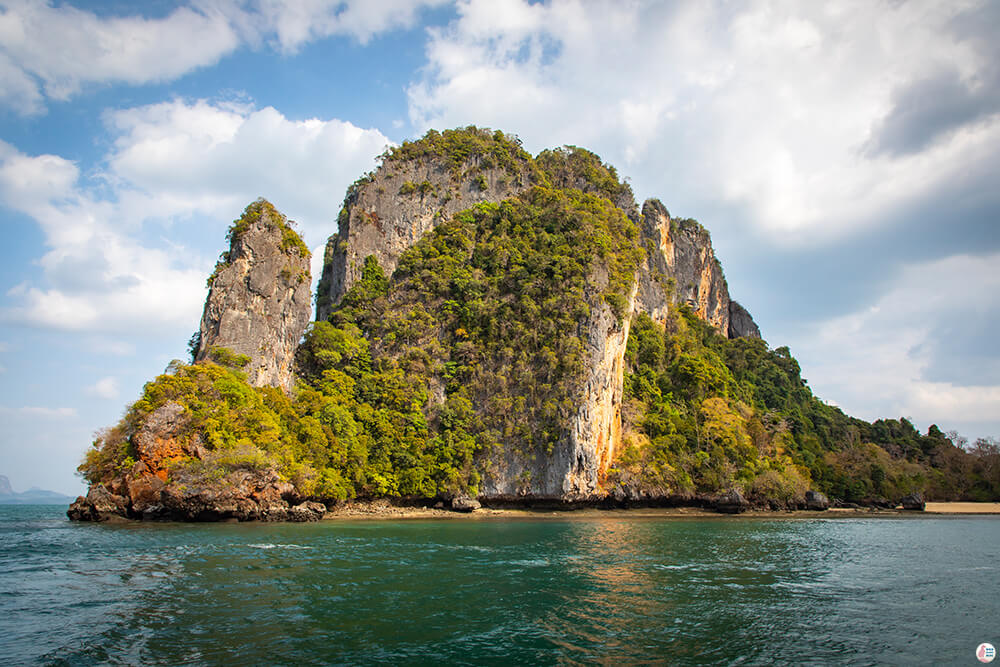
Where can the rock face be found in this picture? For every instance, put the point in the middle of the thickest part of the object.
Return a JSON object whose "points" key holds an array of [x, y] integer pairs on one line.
{"points": [[817, 501], [387, 212], [575, 469], [914, 502], [391, 209], [741, 325], [175, 477], [465, 504], [681, 268], [259, 302], [732, 502]]}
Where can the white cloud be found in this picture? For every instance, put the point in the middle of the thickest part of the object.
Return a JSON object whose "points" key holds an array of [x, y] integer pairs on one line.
{"points": [[193, 164], [177, 157], [115, 348], [762, 106], [288, 24], [59, 49], [32, 411], [52, 52], [106, 387], [878, 362]]}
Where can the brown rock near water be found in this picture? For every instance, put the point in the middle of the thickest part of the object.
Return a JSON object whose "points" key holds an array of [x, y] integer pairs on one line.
{"points": [[732, 502], [817, 501], [259, 303], [465, 504], [914, 502], [177, 478]]}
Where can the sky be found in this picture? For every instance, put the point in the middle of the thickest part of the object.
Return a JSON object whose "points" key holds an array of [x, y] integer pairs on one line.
{"points": [[844, 156]]}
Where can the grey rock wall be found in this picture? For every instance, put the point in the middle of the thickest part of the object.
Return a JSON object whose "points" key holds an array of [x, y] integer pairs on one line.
{"points": [[259, 302], [401, 202]]}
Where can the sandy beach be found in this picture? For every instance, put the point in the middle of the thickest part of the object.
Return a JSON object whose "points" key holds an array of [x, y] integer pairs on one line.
{"points": [[963, 508]]}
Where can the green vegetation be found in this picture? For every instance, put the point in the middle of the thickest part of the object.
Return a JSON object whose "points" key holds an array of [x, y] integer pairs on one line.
{"points": [[261, 209], [476, 350], [704, 414], [573, 167], [460, 146], [226, 357]]}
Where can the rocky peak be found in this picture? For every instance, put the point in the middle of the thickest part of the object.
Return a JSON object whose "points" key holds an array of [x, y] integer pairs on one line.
{"points": [[681, 268], [259, 301], [418, 185]]}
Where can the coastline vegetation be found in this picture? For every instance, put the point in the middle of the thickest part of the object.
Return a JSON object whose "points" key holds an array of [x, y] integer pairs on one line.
{"points": [[477, 344]]}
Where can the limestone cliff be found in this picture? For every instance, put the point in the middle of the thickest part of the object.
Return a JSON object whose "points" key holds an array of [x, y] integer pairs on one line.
{"points": [[259, 299], [575, 468], [389, 210], [741, 324], [681, 268], [420, 187], [491, 357]]}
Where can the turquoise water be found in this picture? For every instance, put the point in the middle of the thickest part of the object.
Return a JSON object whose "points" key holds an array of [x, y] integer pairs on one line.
{"points": [[609, 590]]}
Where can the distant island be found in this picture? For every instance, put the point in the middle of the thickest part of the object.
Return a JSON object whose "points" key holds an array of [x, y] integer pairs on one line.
{"points": [[33, 496], [495, 328]]}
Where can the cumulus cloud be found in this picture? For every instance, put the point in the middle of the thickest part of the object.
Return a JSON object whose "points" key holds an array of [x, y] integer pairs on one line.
{"points": [[177, 157], [288, 24], [53, 51], [187, 165], [106, 387], [912, 352], [56, 49], [766, 107]]}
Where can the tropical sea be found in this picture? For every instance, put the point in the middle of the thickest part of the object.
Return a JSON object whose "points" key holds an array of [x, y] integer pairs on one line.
{"points": [[614, 589]]}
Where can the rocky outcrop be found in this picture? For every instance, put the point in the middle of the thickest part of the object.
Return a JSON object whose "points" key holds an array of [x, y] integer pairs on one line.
{"points": [[914, 502], [98, 505], [259, 303], [387, 212], [817, 501], [680, 268], [465, 504], [575, 468], [741, 324], [176, 477], [732, 502]]}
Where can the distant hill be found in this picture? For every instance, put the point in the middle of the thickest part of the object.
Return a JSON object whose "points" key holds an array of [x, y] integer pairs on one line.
{"points": [[33, 496]]}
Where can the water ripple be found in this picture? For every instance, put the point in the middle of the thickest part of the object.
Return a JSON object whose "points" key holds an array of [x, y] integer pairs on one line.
{"points": [[607, 591]]}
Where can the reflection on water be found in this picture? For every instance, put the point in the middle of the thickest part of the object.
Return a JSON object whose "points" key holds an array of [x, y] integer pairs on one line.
{"points": [[609, 590]]}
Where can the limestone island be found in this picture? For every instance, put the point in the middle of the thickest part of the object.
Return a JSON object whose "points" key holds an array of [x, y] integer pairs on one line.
{"points": [[501, 330]]}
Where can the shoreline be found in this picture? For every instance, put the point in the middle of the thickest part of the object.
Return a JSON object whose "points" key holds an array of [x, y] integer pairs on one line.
{"points": [[385, 511]]}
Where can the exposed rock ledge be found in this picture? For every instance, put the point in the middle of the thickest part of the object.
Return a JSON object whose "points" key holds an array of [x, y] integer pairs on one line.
{"points": [[177, 478], [244, 500]]}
